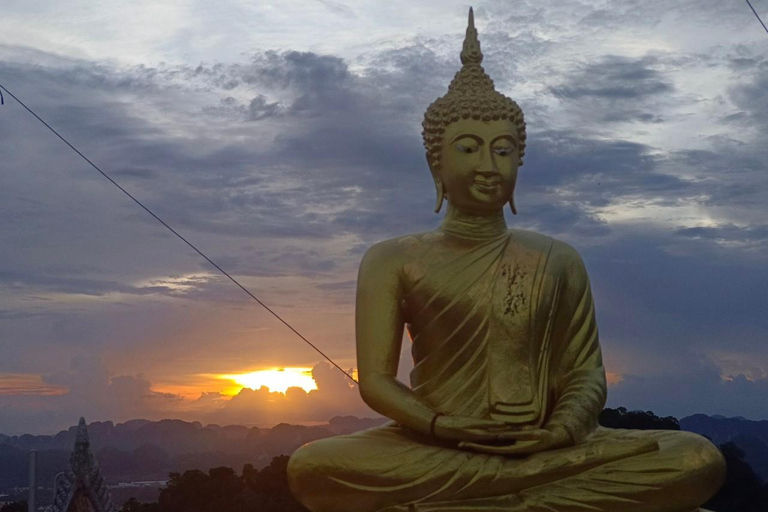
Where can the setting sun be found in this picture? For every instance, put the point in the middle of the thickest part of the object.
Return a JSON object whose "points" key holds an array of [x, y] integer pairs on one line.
{"points": [[276, 379]]}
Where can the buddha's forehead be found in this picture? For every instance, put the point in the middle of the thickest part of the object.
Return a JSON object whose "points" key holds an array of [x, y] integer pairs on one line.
{"points": [[486, 130]]}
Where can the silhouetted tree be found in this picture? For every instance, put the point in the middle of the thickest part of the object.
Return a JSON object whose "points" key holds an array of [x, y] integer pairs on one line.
{"points": [[637, 420], [15, 506], [221, 490], [132, 505], [266, 490], [271, 487], [742, 491]]}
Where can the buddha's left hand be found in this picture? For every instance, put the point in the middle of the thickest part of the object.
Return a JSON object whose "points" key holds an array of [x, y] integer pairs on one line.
{"points": [[526, 442]]}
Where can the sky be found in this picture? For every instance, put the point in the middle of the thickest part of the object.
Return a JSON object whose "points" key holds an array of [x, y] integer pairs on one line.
{"points": [[283, 139]]}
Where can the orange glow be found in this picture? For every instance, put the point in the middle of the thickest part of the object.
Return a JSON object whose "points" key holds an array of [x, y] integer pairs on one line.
{"points": [[27, 384], [613, 378], [276, 379]]}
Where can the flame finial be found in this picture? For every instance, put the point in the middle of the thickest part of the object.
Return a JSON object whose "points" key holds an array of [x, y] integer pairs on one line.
{"points": [[471, 53]]}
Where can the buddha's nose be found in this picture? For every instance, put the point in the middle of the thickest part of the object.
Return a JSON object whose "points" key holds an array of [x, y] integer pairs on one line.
{"points": [[486, 166]]}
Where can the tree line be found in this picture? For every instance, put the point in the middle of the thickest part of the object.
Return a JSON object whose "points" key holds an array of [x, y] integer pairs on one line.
{"points": [[221, 489]]}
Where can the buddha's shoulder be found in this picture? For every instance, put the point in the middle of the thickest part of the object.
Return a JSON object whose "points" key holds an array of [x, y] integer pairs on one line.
{"points": [[558, 254], [407, 243], [399, 250]]}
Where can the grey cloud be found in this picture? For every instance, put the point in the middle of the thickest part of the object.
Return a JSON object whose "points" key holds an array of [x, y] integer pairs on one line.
{"points": [[614, 77], [284, 261], [618, 89], [259, 108], [6, 314], [590, 173], [696, 388], [73, 285], [751, 95], [339, 8], [338, 286], [91, 391], [728, 233]]}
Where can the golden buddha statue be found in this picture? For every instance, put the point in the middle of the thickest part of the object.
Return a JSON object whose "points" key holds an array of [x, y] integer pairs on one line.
{"points": [[508, 379]]}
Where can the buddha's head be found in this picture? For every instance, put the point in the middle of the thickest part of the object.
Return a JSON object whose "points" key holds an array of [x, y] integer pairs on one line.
{"points": [[474, 137]]}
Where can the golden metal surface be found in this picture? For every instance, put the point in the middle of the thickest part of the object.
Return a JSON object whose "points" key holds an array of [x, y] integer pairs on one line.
{"points": [[508, 378]]}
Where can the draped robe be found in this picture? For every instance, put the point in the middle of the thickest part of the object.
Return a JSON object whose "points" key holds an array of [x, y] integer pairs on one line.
{"points": [[504, 328]]}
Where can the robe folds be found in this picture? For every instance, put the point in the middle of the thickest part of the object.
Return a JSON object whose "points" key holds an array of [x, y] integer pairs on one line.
{"points": [[504, 328]]}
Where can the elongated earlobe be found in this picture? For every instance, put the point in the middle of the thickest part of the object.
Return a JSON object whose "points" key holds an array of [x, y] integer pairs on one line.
{"points": [[440, 195], [440, 192], [512, 203]]}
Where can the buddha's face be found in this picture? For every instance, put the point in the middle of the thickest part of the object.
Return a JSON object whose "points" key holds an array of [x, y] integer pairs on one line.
{"points": [[479, 164]]}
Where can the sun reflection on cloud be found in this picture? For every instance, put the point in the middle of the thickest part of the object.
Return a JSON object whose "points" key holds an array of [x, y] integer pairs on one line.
{"points": [[183, 283], [276, 379], [689, 212]]}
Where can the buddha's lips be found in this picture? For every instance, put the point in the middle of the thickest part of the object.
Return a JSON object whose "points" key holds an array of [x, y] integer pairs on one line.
{"points": [[487, 185]]}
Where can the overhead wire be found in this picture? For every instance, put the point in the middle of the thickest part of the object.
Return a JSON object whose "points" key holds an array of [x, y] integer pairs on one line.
{"points": [[757, 16], [190, 244]]}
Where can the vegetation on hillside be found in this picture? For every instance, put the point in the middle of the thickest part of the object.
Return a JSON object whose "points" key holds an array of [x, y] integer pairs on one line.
{"points": [[222, 490]]}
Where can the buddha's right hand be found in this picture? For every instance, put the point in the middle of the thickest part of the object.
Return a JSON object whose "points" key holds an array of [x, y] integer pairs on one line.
{"points": [[465, 428]]}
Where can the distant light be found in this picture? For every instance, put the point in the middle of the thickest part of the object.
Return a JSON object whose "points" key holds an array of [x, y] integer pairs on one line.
{"points": [[276, 379]]}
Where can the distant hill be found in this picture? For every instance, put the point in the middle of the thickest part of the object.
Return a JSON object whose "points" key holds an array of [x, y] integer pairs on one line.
{"points": [[141, 450], [749, 436], [149, 450]]}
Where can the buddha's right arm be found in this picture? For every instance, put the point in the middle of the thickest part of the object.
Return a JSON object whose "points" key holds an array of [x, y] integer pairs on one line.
{"points": [[379, 326]]}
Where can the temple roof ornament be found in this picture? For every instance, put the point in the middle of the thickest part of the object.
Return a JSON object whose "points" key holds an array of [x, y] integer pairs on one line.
{"points": [[81, 488]]}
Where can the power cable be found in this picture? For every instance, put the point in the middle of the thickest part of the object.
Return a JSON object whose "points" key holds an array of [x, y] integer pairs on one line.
{"points": [[757, 16], [198, 251]]}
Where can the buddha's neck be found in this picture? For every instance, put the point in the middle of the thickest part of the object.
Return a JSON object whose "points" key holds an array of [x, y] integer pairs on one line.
{"points": [[470, 225]]}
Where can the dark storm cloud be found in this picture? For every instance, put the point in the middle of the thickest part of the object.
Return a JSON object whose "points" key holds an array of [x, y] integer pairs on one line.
{"points": [[347, 133], [751, 95], [617, 89], [260, 108], [614, 77], [333, 155]]}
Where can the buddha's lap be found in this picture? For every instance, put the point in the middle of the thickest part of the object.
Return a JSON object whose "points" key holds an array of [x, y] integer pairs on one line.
{"points": [[391, 455]]}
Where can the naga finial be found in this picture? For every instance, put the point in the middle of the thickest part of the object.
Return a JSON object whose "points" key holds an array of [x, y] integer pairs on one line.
{"points": [[82, 434], [471, 53]]}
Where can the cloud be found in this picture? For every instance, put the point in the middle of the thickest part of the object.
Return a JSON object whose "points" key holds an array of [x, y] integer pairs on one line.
{"points": [[335, 395], [339, 8], [285, 152], [750, 93], [614, 78], [88, 388], [697, 388], [728, 234]]}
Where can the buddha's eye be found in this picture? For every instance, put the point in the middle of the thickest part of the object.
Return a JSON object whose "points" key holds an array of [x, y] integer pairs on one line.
{"points": [[503, 150], [466, 149]]}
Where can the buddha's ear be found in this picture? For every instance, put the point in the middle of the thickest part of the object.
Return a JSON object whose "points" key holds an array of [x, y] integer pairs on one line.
{"points": [[439, 190], [512, 204], [512, 198]]}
